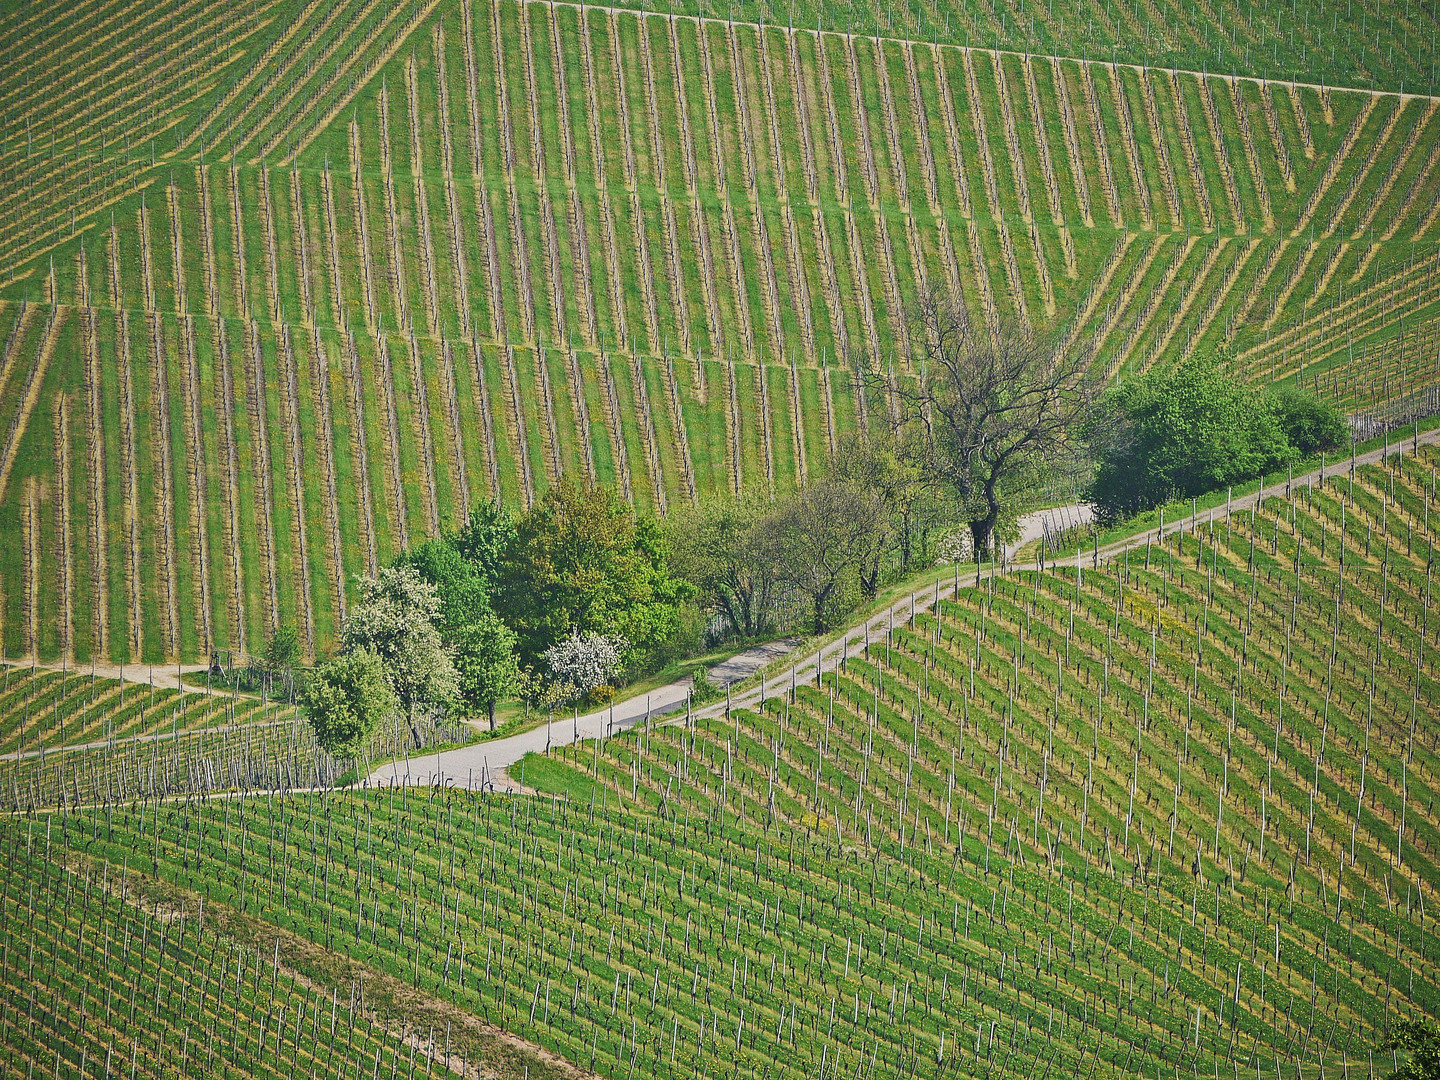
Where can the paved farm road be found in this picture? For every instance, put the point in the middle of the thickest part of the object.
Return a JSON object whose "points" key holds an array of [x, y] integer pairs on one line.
{"points": [[485, 764], [473, 765]]}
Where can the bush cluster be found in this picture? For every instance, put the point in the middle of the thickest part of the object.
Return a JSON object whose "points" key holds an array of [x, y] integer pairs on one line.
{"points": [[1182, 432]]}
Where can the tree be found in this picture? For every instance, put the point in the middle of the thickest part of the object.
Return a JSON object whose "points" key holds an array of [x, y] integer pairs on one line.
{"points": [[724, 551], [460, 583], [994, 409], [821, 538], [582, 561], [586, 661], [486, 541], [282, 651], [282, 654], [345, 698], [1310, 425], [1178, 434], [464, 567], [486, 668], [398, 619], [1421, 1040], [890, 465]]}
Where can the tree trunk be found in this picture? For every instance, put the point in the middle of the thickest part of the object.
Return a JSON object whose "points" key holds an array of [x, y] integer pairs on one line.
{"points": [[820, 598], [745, 625], [980, 536], [982, 529], [492, 715], [870, 579]]}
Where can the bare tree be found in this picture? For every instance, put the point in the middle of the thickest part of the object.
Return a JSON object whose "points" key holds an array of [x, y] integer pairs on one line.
{"points": [[889, 464], [726, 550], [994, 409], [822, 538]]}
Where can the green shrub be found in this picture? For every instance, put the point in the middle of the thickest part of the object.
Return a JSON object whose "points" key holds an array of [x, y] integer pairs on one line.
{"points": [[345, 699], [702, 689], [1182, 432], [1310, 425]]}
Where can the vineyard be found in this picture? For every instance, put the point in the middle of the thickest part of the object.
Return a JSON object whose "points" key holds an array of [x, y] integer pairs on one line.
{"points": [[172, 994], [1167, 811], [70, 738], [205, 78], [412, 259], [288, 288]]}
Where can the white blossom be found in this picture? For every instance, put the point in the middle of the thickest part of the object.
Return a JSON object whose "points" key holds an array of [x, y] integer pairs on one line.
{"points": [[586, 661]]}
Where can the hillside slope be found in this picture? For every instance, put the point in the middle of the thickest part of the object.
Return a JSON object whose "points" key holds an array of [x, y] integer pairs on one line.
{"points": [[96, 93], [1169, 813], [435, 255]]}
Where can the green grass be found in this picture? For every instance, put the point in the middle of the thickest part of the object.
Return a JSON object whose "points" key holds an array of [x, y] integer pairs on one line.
{"points": [[966, 845], [1364, 307]]}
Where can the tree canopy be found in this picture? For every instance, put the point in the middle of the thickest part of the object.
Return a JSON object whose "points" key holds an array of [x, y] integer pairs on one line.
{"points": [[582, 561], [890, 464], [1192, 429], [486, 669], [722, 548], [995, 406], [460, 583], [485, 542], [1310, 424], [1420, 1039], [398, 618], [345, 698], [823, 539]]}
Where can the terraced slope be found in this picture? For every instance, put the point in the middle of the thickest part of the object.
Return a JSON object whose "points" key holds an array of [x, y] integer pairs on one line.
{"points": [[99, 979], [50, 709], [96, 95], [444, 254], [1168, 813], [72, 737]]}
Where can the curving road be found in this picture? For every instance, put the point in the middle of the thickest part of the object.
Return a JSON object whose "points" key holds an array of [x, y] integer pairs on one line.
{"points": [[826, 659], [484, 765]]}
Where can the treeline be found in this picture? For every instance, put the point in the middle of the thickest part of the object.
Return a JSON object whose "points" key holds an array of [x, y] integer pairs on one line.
{"points": [[553, 607], [581, 592], [805, 560]]}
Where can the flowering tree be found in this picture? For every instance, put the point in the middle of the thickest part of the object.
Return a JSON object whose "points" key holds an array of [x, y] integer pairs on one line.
{"points": [[398, 619], [586, 661]]}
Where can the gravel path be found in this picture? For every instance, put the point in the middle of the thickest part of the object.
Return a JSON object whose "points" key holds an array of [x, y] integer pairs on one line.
{"points": [[164, 677], [484, 765]]}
